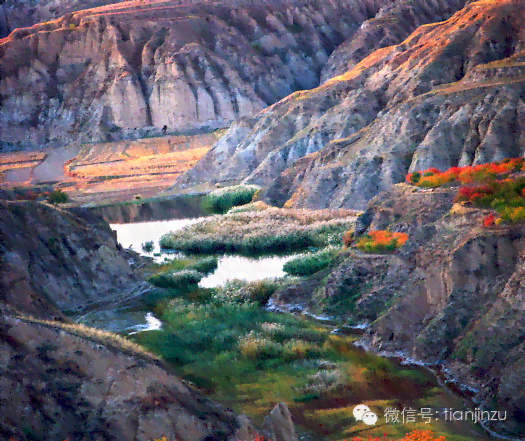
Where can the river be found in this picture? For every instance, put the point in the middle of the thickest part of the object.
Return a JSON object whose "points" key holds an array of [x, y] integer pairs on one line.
{"points": [[230, 266]]}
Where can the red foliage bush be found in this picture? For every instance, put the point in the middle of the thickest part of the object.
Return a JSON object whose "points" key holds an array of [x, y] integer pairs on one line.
{"points": [[489, 220]]}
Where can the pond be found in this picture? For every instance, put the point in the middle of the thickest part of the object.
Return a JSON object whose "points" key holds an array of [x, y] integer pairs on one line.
{"points": [[133, 235], [230, 266]]}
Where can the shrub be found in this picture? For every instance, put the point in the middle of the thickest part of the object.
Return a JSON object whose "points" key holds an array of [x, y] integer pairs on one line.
{"points": [[58, 197], [220, 201], [380, 240], [308, 264], [415, 177], [256, 347], [348, 237], [185, 279], [206, 265], [241, 291], [489, 220], [432, 177], [513, 214], [148, 246], [415, 435]]}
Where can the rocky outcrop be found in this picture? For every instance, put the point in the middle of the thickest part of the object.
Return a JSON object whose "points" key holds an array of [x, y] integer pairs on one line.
{"points": [[140, 67], [56, 260], [56, 386], [278, 424], [448, 94], [451, 295]]}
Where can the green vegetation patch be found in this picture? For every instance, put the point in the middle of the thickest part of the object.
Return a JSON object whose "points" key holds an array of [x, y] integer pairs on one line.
{"points": [[184, 279], [220, 201], [58, 197], [308, 264], [271, 230]]}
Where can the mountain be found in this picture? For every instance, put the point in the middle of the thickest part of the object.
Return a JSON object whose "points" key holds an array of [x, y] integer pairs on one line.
{"points": [[450, 94], [131, 69]]}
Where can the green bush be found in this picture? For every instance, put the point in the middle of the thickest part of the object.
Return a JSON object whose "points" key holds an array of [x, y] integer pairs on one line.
{"points": [[58, 197], [241, 291], [148, 246], [415, 177], [220, 201], [184, 279], [308, 264], [206, 265]]}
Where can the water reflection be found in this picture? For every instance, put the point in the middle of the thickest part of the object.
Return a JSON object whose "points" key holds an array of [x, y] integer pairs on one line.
{"points": [[135, 234], [246, 268]]}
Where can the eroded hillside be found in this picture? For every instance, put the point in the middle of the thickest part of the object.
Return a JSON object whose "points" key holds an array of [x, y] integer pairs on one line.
{"points": [[135, 67], [451, 93]]}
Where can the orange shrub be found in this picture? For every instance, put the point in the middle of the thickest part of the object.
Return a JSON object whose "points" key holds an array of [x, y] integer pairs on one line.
{"points": [[380, 240], [433, 177], [348, 237], [415, 435], [489, 220]]}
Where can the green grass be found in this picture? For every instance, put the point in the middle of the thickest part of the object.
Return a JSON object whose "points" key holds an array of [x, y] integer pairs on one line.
{"points": [[220, 201], [180, 280], [241, 291], [308, 264], [250, 359]]}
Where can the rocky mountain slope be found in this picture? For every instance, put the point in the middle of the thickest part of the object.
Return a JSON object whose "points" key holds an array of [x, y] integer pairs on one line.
{"points": [[56, 260], [57, 385], [22, 13], [60, 380], [451, 296], [136, 67], [451, 93]]}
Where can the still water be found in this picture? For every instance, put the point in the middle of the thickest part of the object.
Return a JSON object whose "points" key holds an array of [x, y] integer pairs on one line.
{"points": [[231, 266]]}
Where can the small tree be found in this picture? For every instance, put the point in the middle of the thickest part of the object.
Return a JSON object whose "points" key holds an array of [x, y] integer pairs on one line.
{"points": [[58, 197], [415, 177]]}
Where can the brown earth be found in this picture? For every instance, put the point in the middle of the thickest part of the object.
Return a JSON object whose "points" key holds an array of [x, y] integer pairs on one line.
{"points": [[118, 171]]}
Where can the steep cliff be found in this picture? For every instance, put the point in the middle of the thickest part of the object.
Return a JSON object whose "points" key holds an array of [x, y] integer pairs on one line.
{"points": [[451, 93], [137, 67]]}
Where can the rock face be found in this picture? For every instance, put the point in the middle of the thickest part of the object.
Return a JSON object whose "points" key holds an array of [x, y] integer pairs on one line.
{"points": [[140, 67], [452, 294], [58, 386], [57, 260], [450, 93], [278, 424]]}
